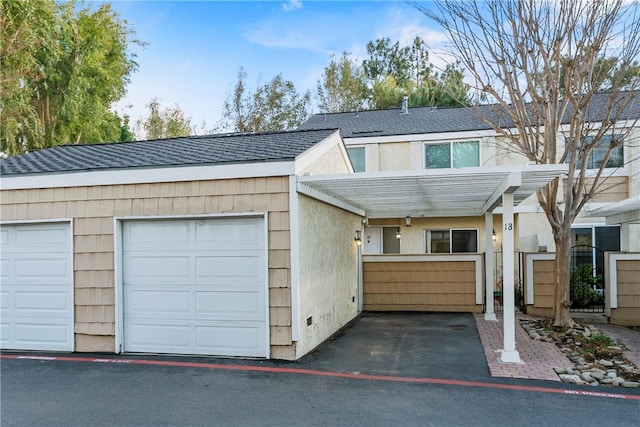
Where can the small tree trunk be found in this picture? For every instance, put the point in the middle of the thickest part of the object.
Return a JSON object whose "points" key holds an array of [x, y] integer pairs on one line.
{"points": [[562, 316]]}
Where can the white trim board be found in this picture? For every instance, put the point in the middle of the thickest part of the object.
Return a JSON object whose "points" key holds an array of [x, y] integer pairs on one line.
{"points": [[294, 253], [147, 175]]}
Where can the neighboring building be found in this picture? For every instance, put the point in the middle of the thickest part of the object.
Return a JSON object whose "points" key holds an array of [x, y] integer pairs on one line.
{"points": [[430, 138]]}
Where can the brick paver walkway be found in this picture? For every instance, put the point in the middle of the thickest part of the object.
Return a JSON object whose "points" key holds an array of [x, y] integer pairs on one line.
{"points": [[629, 337], [538, 357]]}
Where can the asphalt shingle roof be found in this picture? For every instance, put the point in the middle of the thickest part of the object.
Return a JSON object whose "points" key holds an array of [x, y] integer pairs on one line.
{"points": [[185, 151], [425, 120]]}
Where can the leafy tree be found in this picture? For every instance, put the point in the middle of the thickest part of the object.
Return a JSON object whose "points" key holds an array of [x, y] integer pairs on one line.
{"points": [[63, 67], [388, 74], [165, 122], [273, 106], [343, 86], [544, 64], [126, 134], [387, 59]]}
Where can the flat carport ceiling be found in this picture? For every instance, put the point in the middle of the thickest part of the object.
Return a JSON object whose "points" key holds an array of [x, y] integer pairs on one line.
{"points": [[433, 192], [626, 211]]}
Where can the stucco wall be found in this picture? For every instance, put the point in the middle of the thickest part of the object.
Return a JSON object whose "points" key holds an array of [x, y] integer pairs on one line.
{"points": [[328, 275], [394, 156], [93, 210], [420, 286], [333, 161]]}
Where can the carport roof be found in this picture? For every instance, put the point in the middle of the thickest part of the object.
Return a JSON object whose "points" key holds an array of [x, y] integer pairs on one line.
{"points": [[430, 193], [624, 211]]}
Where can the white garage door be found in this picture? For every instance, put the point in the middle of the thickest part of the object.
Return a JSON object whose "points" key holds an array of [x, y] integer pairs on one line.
{"points": [[36, 292], [195, 287]]}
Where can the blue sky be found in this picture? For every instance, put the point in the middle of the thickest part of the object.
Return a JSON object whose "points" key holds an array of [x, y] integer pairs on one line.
{"points": [[196, 48]]}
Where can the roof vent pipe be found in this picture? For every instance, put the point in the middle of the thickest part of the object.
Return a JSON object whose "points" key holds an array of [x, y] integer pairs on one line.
{"points": [[405, 105]]}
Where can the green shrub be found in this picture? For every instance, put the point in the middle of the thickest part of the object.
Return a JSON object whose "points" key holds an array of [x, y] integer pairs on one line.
{"points": [[583, 285]]}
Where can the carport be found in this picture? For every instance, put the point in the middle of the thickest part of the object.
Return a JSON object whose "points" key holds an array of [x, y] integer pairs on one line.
{"points": [[445, 193]]}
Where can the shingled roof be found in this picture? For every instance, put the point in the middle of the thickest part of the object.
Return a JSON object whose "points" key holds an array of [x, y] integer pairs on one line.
{"points": [[186, 151], [426, 120]]}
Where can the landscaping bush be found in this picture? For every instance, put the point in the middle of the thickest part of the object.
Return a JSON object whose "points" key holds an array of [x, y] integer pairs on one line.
{"points": [[583, 287]]}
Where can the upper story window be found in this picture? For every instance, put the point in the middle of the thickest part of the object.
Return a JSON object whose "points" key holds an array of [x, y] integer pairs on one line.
{"points": [[452, 155], [598, 153], [451, 241], [357, 157]]}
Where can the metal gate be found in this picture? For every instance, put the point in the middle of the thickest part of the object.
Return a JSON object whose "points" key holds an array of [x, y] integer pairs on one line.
{"points": [[587, 279]]}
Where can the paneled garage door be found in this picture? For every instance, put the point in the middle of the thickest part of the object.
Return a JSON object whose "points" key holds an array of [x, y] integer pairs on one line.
{"points": [[195, 287], [36, 292]]}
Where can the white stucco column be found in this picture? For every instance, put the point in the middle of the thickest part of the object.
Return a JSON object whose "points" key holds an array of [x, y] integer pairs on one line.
{"points": [[489, 313], [509, 352], [625, 234]]}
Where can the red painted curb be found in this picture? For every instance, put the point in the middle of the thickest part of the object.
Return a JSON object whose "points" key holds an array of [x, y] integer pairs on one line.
{"points": [[301, 371]]}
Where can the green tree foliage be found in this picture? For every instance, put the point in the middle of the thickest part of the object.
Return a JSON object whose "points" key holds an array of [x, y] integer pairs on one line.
{"points": [[273, 106], [343, 86], [126, 134], [388, 74], [62, 68], [165, 122]]}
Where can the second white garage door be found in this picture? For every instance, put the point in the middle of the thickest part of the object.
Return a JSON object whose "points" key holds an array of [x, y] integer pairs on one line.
{"points": [[195, 287]]}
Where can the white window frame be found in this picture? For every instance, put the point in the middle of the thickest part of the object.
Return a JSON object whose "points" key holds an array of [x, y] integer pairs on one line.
{"points": [[427, 239], [450, 142], [594, 170]]}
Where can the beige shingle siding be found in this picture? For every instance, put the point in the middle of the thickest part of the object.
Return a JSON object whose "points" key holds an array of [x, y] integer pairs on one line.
{"points": [[420, 285], [627, 312], [93, 210], [544, 288]]}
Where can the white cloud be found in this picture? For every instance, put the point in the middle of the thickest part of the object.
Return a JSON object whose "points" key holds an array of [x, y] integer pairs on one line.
{"points": [[292, 5]]}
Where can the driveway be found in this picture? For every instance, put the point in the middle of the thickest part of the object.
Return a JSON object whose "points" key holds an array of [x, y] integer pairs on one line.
{"points": [[434, 345]]}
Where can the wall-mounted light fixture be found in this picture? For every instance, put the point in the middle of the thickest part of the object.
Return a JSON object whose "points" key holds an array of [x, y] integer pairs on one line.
{"points": [[495, 236], [407, 220], [398, 235], [358, 238]]}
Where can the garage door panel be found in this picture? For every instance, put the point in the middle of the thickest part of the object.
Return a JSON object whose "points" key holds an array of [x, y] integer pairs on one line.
{"points": [[28, 237], [37, 331], [247, 266], [148, 234], [4, 236], [4, 300], [227, 338], [36, 301], [151, 337], [51, 268], [203, 295], [4, 267], [50, 302], [151, 268], [157, 301], [231, 304], [229, 234]]}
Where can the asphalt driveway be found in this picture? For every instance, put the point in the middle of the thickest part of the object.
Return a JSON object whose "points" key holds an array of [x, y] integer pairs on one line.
{"points": [[434, 345]]}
